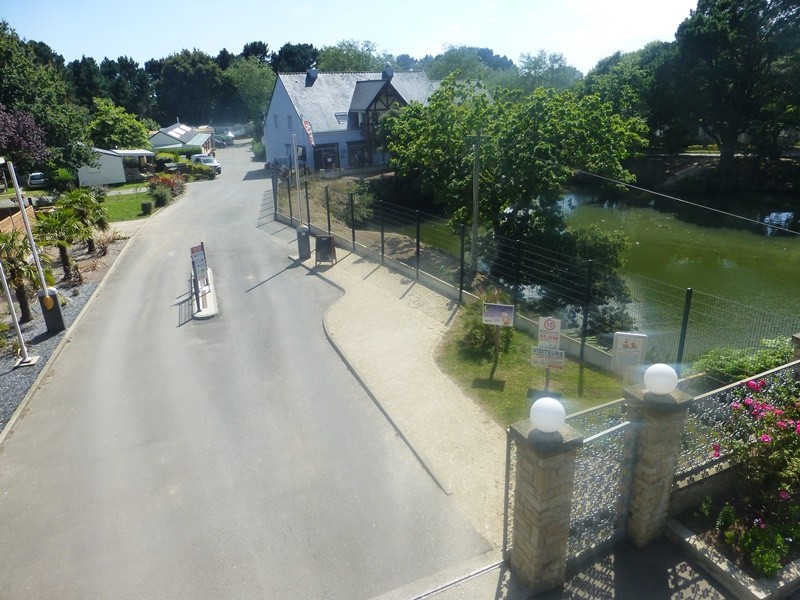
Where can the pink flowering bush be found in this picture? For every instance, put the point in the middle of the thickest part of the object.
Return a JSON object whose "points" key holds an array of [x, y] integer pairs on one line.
{"points": [[764, 439]]}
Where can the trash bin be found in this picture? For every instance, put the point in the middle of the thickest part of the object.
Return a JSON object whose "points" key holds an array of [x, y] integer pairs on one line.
{"points": [[303, 242]]}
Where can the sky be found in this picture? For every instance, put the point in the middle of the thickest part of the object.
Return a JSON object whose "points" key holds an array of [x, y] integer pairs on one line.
{"points": [[584, 31]]}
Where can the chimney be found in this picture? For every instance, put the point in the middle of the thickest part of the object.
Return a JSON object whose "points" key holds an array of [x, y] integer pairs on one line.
{"points": [[311, 76], [388, 72]]}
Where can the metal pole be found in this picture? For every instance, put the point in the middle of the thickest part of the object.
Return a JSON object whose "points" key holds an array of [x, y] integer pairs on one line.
{"points": [[418, 227], [308, 208], [328, 208], [297, 177], [289, 190], [587, 301], [24, 214], [517, 261], [353, 220], [476, 168], [25, 359], [383, 247], [687, 305], [461, 278]]}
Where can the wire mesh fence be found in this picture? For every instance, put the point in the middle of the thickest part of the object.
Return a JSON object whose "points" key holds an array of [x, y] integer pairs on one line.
{"points": [[592, 299]]}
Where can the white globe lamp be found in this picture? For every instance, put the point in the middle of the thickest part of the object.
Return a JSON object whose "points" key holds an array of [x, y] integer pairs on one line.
{"points": [[547, 415], [660, 379]]}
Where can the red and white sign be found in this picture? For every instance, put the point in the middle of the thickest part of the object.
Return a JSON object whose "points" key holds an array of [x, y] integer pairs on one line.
{"points": [[549, 333], [309, 131]]}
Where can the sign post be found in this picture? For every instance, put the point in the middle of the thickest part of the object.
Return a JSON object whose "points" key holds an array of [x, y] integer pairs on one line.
{"points": [[499, 315], [199, 270], [548, 354]]}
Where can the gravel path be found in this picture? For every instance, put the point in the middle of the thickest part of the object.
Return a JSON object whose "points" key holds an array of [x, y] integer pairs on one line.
{"points": [[15, 383]]}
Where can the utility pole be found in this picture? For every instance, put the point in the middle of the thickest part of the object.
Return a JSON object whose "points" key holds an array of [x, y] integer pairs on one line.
{"points": [[476, 169]]}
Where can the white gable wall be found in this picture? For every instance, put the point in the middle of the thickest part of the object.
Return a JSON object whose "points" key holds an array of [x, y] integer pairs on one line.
{"points": [[277, 138], [109, 170]]}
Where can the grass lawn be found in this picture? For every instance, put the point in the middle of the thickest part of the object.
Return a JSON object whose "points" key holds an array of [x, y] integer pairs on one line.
{"points": [[506, 397], [126, 207]]}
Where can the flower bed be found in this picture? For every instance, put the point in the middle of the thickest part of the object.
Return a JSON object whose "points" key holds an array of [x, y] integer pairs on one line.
{"points": [[753, 533]]}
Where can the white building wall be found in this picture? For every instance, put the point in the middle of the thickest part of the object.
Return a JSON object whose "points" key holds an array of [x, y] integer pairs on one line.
{"points": [[108, 170], [277, 134]]}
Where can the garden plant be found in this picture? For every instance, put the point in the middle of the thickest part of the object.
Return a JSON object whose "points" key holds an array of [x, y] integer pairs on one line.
{"points": [[762, 437]]}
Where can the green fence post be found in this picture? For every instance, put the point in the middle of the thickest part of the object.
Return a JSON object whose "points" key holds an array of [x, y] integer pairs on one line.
{"points": [[586, 303], [687, 305]]}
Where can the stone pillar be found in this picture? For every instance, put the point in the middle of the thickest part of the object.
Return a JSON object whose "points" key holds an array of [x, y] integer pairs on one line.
{"points": [[542, 500], [796, 344], [659, 420]]}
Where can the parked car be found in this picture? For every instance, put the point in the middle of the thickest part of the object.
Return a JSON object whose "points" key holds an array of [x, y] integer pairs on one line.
{"points": [[219, 142], [209, 161], [37, 180]]}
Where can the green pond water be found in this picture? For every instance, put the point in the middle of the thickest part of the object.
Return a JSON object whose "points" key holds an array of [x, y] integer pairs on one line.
{"points": [[753, 265]]}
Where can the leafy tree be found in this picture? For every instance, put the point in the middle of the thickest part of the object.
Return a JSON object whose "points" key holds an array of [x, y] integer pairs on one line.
{"points": [[113, 128], [224, 59], [406, 63], [456, 59], [14, 253], [258, 50], [253, 82], [547, 71], [21, 138], [84, 207], [45, 55], [128, 85], [61, 229], [731, 54], [86, 81], [530, 145], [350, 56], [41, 92], [188, 88], [294, 58]]}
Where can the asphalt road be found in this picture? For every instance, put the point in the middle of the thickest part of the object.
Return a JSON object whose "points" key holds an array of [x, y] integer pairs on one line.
{"points": [[230, 458]]}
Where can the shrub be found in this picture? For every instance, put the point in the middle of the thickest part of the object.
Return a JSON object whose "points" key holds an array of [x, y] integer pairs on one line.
{"points": [[259, 152], [199, 171], [729, 365], [361, 210], [176, 184], [478, 339], [161, 196], [762, 435], [63, 180], [147, 208]]}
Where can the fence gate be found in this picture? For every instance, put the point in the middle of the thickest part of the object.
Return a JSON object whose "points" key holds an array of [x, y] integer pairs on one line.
{"points": [[603, 473]]}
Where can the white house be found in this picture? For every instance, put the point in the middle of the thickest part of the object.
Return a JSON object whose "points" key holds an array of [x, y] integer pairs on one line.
{"points": [[115, 166], [333, 117], [180, 136]]}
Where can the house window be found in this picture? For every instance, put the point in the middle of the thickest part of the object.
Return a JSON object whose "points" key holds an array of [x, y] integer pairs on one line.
{"points": [[288, 121], [276, 121]]}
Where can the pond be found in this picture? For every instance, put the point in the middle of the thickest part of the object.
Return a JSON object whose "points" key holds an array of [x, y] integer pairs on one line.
{"points": [[752, 261]]}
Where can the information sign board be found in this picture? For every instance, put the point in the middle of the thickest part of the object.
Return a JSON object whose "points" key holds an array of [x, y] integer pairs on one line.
{"points": [[628, 349], [550, 358], [498, 314]]}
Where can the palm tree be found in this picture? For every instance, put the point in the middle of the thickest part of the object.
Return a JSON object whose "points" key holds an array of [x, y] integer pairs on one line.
{"points": [[61, 229], [85, 207], [15, 253]]}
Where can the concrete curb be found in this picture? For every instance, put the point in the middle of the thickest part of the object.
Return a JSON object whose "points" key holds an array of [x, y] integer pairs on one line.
{"points": [[207, 294], [23, 405], [348, 363]]}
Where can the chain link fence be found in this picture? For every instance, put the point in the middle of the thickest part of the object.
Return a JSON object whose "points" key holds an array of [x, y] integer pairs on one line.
{"points": [[592, 299]]}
